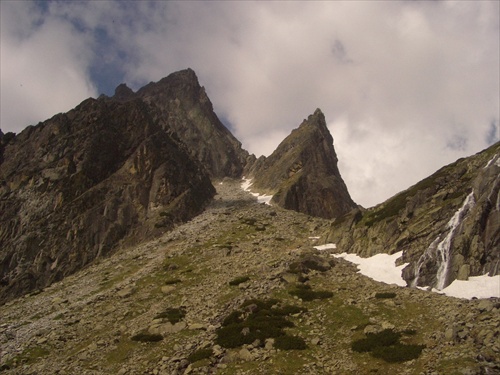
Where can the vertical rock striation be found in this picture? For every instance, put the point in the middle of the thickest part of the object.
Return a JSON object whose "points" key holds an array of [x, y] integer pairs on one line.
{"points": [[75, 186], [302, 172]]}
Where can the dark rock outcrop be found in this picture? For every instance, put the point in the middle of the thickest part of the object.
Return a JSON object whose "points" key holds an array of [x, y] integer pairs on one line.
{"points": [[447, 225], [179, 104], [80, 183], [302, 172]]}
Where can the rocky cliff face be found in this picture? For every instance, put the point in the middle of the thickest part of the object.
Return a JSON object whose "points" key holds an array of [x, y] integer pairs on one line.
{"points": [[448, 225], [302, 172], [75, 186], [179, 104]]}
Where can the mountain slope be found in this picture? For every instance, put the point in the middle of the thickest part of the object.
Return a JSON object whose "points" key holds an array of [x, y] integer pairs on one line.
{"points": [[447, 225], [73, 187], [200, 274], [302, 172]]}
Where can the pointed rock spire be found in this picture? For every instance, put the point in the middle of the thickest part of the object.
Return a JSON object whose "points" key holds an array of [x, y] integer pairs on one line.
{"points": [[302, 172]]}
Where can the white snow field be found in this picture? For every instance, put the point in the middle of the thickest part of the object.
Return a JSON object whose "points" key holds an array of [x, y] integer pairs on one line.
{"points": [[245, 185], [382, 267]]}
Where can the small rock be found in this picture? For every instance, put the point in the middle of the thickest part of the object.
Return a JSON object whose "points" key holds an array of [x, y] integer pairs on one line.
{"points": [[371, 329], [269, 344], [315, 341], [197, 326], [450, 334], [245, 355], [126, 292], [485, 305], [163, 329], [167, 289]]}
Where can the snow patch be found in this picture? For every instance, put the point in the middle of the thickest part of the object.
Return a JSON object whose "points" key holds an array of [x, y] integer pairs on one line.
{"points": [[380, 267], [261, 198], [325, 246], [476, 286]]}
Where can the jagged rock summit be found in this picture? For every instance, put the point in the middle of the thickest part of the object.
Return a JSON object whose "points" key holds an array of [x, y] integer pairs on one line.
{"points": [[180, 105], [119, 170], [302, 173]]}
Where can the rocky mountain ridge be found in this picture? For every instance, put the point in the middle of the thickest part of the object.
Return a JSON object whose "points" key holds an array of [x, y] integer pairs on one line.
{"points": [[302, 173], [75, 186], [124, 169], [447, 225]]}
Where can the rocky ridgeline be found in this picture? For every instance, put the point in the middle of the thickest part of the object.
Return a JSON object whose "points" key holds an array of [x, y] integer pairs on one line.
{"points": [[121, 169], [302, 173], [452, 215], [158, 308]]}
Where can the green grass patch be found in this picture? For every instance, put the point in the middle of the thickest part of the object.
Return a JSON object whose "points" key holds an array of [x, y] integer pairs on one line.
{"points": [[288, 342], [398, 352], [28, 356], [199, 355], [123, 350], [386, 346], [372, 341], [385, 295], [305, 293], [147, 337], [172, 281], [257, 320]]}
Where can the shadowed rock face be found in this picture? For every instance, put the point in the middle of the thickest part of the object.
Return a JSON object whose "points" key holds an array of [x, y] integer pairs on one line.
{"points": [[75, 186], [179, 104], [302, 173]]}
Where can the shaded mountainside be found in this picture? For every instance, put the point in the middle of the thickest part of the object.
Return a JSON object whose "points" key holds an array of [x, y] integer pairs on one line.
{"points": [[447, 225], [302, 173], [76, 185], [180, 105]]}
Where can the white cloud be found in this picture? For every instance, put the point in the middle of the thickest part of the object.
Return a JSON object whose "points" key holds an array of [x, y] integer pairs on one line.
{"points": [[43, 67], [406, 87]]}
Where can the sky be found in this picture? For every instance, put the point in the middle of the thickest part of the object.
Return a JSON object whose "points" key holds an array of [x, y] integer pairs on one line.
{"points": [[406, 86]]}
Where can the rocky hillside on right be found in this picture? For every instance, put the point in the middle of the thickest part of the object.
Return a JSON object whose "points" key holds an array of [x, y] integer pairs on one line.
{"points": [[447, 226]]}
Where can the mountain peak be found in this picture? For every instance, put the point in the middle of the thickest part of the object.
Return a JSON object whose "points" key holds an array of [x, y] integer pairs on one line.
{"points": [[123, 92], [318, 114], [181, 105], [302, 172]]}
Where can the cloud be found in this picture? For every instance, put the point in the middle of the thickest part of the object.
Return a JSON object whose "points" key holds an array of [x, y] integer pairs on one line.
{"points": [[43, 66], [406, 87]]}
